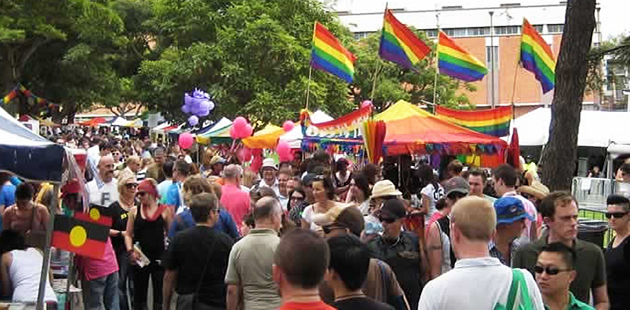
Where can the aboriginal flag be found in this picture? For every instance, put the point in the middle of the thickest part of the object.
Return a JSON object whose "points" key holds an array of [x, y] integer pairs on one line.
{"points": [[80, 237], [97, 214]]}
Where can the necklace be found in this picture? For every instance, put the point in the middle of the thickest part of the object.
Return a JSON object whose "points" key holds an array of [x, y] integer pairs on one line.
{"points": [[349, 296]]}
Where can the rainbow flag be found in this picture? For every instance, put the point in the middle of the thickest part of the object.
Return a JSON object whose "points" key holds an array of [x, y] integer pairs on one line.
{"points": [[456, 62], [330, 56], [399, 44], [536, 56], [494, 122]]}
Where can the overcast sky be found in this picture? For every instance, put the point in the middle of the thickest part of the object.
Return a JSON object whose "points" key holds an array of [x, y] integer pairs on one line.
{"points": [[614, 13]]}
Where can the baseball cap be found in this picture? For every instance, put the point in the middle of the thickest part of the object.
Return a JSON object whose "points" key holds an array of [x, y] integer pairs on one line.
{"points": [[510, 210], [456, 185], [308, 179], [393, 208], [345, 215]]}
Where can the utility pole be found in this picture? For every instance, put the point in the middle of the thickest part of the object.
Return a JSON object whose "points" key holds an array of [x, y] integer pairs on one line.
{"points": [[492, 57]]}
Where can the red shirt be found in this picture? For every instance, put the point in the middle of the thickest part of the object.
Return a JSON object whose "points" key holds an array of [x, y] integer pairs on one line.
{"points": [[236, 202], [315, 305]]}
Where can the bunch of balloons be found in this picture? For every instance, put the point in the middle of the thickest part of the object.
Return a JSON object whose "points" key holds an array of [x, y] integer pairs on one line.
{"points": [[198, 105], [241, 128]]}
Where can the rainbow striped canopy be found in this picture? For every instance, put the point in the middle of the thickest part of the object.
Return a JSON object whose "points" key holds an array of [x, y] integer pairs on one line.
{"points": [[412, 130]]}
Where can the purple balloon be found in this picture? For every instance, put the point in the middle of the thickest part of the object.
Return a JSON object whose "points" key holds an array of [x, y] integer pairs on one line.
{"points": [[186, 109], [204, 104], [193, 120], [203, 113], [188, 99]]}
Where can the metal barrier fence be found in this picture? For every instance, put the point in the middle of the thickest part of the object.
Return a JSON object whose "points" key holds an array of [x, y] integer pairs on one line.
{"points": [[591, 193]]}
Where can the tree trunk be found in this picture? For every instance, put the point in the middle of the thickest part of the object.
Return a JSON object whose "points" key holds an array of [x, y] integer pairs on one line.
{"points": [[560, 155]]}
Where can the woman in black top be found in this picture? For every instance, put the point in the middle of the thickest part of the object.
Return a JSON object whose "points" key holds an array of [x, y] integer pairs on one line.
{"points": [[618, 252], [148, 226], [119, 211]]}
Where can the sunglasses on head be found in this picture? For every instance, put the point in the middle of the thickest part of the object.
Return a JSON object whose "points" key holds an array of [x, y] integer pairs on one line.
{"points": [[329, 228], [552, 271], [131, 185], [615, 214]]}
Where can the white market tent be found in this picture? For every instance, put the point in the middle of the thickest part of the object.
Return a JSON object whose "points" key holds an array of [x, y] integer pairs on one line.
{"points": [[119, 121], [294, 137], [597, 128]]}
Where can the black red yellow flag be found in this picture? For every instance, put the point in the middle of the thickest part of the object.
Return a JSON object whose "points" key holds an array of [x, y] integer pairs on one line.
{"points": [[80, 237], [97, 214]]}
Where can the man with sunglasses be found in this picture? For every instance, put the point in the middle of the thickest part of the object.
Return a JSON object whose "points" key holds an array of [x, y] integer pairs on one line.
{"points": [[400, 250], [554, 274], [381, 283], [560, 212], [618, 252]]}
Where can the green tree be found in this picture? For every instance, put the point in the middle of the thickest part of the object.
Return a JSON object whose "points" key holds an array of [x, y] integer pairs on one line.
{"points": [[394, 82], [252, 56]]}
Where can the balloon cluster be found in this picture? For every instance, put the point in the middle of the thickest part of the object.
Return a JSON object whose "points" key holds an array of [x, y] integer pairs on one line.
{"points": [[284, 151], [198, 105], [241, 128]]}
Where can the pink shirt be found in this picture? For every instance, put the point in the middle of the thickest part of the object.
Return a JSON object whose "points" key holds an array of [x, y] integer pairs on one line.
{"points": [[530, 209], [236, 202], [98, 268]]}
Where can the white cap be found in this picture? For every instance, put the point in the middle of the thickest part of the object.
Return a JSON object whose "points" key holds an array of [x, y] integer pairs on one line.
{"points": [[269, 163]]}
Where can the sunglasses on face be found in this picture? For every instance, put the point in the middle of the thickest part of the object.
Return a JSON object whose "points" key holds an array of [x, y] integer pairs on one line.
{"points": [[616, 215], [387, 220], [329, 228], [131, 185], [552, 271]]}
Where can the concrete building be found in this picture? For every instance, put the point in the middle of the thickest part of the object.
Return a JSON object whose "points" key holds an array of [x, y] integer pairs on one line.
{"points": [[483, 31]]}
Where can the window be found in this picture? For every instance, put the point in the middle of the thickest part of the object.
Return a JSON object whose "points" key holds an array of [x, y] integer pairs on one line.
{"points": [[539, 28], [456, 32], [494, 50], [502, 30], [555, 28], [361, 35], [479, 31], [431, 33]]}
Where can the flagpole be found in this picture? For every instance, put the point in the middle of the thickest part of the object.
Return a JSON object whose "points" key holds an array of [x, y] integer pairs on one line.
{"points": [[435, 77], [378, 69], [308, 86], [518, 60]]}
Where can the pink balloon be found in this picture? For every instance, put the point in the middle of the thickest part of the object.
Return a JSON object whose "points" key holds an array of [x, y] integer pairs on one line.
{"points": [[284, 151], [185, 140], [247, 154], [248, 131], [256, 164], [366, 103], [239, 123], [233, 133], [288, 126]]}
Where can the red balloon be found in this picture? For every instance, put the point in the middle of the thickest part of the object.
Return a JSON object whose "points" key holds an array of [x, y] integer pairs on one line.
{"points": [[256, 164], [247, 154]]}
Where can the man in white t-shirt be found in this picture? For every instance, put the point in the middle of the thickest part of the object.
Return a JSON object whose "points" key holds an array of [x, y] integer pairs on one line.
{"points": [[478, 281], [103, 190]]}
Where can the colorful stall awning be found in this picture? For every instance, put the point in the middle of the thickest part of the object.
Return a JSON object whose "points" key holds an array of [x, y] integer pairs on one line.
{"points": [[266, 138]]}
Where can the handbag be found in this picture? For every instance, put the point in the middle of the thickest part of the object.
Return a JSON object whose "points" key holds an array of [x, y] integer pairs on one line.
{"points": [[191, 301]]}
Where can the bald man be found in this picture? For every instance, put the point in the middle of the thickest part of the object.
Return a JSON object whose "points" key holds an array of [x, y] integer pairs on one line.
{"points": [[104, 192]]}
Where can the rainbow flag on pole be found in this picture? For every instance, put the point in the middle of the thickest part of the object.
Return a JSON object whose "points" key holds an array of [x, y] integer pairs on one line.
{"points": [[494, 122], [330, 56], [399, 44], [456, 62], [536, 56]]}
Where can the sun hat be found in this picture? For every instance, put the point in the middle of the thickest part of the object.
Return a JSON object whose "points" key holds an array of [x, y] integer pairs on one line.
{"points": [[384, 188], [536, 189], [345, 215], [456, 185], [269, 163], [510, 210], [216, 159]]}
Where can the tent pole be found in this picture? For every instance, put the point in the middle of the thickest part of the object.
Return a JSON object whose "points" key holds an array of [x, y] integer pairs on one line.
{"points": [[308, 87], [378, 69], [52, 210]]}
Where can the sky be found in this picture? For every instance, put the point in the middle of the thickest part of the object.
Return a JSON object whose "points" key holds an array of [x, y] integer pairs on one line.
{"points": [[613, 13]]}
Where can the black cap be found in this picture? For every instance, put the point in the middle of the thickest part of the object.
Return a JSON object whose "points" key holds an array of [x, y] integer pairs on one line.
{"points": [[393, 208]]}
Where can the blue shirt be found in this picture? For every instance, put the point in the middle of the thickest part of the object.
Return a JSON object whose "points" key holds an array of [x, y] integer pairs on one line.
{"points": [[185, 220], [172, 196], [7, 195]]}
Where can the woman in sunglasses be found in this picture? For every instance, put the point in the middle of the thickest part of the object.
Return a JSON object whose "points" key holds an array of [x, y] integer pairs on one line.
{"points": [[618, 252], [148, 227], [127, 187]]}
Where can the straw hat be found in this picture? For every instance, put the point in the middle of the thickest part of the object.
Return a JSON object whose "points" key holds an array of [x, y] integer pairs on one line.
{"points": [[384, 188], [216, 159], [536, 189]]}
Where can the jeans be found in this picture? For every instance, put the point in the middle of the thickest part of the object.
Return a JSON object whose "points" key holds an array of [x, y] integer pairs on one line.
{"points": [[124, 277], [102, 291], [141, 285]]}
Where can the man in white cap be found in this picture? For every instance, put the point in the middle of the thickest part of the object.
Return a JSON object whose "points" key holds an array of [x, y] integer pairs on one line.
{"points": [[268, 173]]}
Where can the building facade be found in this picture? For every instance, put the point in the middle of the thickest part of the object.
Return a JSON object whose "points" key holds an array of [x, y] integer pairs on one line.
{"points": [[485, 31]]}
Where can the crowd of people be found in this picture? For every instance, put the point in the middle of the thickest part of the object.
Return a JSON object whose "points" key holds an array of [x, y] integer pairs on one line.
{"points": [[315, 233]]}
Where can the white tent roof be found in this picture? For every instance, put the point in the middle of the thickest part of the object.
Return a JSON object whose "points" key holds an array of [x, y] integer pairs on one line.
{"points": [[161, 126], [294, 137], [597, 128], [120, 122]]}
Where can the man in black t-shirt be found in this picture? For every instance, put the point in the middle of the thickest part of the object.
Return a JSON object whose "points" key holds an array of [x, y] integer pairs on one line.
{"points": [[348, 267], [197, 259]]}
